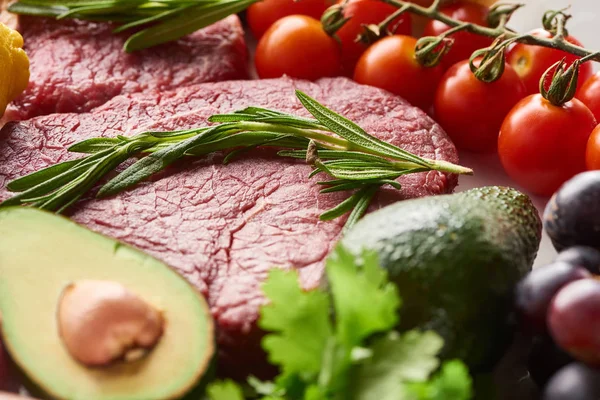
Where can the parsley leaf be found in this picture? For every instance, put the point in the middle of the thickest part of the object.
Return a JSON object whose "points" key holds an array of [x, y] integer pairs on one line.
{"points": [[365, 302], [396, 360], [341, 344], [300, 324], [452, 383], [224, 390]]}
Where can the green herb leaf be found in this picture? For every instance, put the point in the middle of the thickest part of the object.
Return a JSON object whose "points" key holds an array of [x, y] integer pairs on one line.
{"points": [[453, 382], [41, 176], [343, 208], [224, 390], [361, 207], [94, 145], [154, 163], [164, 21], [365, 302], [396, 360], [355, 173], [299, 322], [354, 133], [190, 21]]}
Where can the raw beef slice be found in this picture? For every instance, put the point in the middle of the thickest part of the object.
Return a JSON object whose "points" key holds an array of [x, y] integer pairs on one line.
{"points": [[76, 65], [224, 226]]}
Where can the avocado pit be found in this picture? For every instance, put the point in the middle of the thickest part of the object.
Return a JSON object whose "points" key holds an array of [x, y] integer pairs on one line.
{"points": [[101, 322]]}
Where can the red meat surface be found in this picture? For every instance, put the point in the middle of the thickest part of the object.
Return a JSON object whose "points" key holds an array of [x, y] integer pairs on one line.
{"points": [[224, 227], [77, 66]]}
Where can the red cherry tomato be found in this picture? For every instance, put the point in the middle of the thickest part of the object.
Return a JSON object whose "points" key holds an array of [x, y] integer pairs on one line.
{"points": [[390, 64], [465, 43], [592, 153], [589, 93], [263, 14], [541, 146], [366, 12], [299, 47], [472, 111], [531, 62]]}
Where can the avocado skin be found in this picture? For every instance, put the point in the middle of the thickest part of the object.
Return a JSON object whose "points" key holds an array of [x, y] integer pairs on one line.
{"points": [[456, 259]]}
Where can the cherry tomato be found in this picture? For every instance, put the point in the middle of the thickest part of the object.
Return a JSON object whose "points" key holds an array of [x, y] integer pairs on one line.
{"points": [[589, 93], [299, 47], [472, 111], [592, 153], [390, 64], [263, 14], [366, 12], [541, 146], [531, 62], [465, 43]]}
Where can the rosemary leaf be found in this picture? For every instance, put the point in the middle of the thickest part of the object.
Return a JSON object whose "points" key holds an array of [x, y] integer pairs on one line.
{"points": [[37, 10], [45, 187], [94, 145], [186, 23], [354, 133], [38, 177], [154, 163], [364, 200], [175, 134], [151, 19], [343, 208], [248, 139], [233, 117], [342, 187], [157, 21], [395, 184], [337, 154], [364, 174]]}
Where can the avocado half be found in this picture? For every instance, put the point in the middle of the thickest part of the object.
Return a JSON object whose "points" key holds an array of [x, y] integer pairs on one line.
{"points": [[40, 254]]}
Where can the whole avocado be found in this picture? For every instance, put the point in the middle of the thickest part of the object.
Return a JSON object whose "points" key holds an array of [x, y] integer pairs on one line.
{"points": [[456, 259]]}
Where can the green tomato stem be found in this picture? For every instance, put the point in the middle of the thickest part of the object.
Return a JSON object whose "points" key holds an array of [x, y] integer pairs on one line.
{"points": [[432, 12]]}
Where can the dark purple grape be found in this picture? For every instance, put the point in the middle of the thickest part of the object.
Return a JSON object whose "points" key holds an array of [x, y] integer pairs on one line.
{"points": [[574, 320], [572, 216], [535, 292], [582, 256], [545, 358], [574, 382]]}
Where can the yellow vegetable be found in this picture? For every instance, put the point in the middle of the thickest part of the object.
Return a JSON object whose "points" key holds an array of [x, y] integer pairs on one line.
{"points": [[14, 66]]}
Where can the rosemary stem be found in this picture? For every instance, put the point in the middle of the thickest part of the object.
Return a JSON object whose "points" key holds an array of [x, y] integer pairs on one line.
{"points": [[325, 140], [445, 166], [557, 42]]}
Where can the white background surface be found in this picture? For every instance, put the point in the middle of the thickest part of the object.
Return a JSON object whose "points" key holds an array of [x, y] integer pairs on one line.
{"points": [[585, 25]]}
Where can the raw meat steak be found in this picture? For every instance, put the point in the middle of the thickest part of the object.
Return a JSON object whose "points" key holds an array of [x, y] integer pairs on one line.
{"points": [[224, 226], [77, 65]]}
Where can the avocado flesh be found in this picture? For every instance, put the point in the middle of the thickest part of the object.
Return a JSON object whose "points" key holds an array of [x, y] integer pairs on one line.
{"points": [[456, 259], [40, 254]]}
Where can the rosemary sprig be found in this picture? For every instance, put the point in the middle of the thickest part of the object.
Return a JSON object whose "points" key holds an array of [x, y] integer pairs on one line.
{"points": [[332, 144], [162, 20]]}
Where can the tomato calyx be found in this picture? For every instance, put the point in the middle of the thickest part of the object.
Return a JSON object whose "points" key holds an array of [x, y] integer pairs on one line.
{"points": [[563, 85], [492, 65], [430, 50], [333, 19], [554, 21], [500, 13], [388, 27]]}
